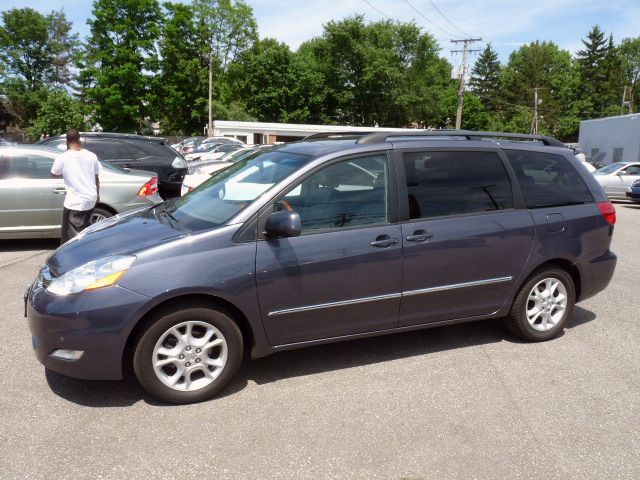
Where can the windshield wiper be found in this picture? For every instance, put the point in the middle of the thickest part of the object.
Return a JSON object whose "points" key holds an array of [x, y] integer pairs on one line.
{"points": [[163, 210]]}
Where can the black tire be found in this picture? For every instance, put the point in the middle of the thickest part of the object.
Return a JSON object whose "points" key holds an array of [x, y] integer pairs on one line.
{"points": [[99, 211], [144, 353], [517, 321]]}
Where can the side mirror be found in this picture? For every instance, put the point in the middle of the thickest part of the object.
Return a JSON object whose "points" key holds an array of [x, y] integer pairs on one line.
{"points": [[283, 224], [620, 173]]}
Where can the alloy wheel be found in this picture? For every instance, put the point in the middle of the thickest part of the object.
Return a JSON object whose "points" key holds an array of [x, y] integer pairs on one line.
{"points": [[546, 304]]}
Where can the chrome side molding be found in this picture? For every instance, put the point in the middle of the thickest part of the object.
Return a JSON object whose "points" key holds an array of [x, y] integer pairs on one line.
{"points": [[390, 296]]}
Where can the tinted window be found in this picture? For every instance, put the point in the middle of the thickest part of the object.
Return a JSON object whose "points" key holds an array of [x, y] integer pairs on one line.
{"points": [[109, 150], [547, 179], [454, 183], [612, 167], [343, 195], [26, 166]]}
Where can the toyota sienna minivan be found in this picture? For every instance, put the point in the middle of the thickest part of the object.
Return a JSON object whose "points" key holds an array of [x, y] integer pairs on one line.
{"points": [[325, 240]]}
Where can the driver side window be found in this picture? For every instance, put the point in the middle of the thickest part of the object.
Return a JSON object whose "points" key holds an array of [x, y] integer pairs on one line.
{"points": [[348, 194], [632, 170]]}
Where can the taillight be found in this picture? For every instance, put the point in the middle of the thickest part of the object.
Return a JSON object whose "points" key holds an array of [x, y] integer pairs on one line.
{"points": [[149, 188], [608, 211]]}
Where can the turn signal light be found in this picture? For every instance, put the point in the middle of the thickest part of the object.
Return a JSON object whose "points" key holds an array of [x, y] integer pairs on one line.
{"points": [[149, 188], [608, 212]]}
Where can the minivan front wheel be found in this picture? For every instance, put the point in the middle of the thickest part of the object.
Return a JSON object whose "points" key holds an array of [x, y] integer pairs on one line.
{"points": [[188, 355], [542, 306]]}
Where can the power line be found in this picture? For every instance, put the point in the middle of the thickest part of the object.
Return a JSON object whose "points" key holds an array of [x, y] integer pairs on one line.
{"points": [[431, 22], [435, 7], [377, 9]]}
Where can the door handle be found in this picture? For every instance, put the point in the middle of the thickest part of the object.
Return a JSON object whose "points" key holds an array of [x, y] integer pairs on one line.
{"points": [[419, 236], [59, 191], [384, 241]]}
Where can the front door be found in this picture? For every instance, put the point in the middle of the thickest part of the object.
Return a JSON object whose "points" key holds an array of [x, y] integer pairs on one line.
{"points": [[464, 244], [619, 183], [343, 275]]}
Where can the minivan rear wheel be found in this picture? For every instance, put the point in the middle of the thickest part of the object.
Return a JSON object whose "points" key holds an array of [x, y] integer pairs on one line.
{"points": [[188, 355], [542, 306]]}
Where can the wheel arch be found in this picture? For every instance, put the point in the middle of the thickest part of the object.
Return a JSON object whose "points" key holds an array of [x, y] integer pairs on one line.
{"points": [[563, 264], [186, 301], [106, 207]]}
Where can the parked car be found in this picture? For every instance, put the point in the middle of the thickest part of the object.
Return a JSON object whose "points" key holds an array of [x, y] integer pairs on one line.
{"points": [[213, 151], [633, 192], [136, 152], [31, 199], [617, 177], [221, 140], [202, 170], [323, 241], [193, 142]]}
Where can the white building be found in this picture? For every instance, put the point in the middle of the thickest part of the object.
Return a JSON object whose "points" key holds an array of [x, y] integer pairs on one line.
{"points": [[611, 139], [260, 133]]}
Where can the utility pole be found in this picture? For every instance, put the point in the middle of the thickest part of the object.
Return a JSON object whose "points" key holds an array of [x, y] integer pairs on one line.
{"points": [[534, 126], [625, 102], [210, 124], [465, 55]]}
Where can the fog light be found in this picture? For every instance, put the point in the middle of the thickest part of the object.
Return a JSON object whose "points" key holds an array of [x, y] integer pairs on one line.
{"points": [[69, 355]]}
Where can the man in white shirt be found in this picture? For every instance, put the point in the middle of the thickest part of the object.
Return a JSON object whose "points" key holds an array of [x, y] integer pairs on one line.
{"points": [[79, 169]]}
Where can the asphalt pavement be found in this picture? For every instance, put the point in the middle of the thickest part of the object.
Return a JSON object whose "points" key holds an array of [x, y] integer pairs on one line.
{"points": [[465, 401]]}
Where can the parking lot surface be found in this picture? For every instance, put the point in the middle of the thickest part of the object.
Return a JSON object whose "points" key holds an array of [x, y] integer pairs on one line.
{"points": [[465, 401]]}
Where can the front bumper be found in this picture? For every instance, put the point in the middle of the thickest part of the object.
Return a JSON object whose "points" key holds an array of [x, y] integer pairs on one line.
{"points": [[634, 196], [96, 322]]}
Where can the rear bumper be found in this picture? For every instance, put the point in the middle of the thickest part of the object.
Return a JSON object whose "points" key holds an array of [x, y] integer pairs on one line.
{"points": [[596, 275], [96, 323]]}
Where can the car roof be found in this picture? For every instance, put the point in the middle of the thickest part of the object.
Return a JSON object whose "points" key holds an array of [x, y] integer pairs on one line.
{"points": [[115, 136], [37, 148]]}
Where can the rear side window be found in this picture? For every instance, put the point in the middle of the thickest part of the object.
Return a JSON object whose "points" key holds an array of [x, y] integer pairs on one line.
{"points": [[114, 150], [456, 183], [26, 166], [548, 179]]}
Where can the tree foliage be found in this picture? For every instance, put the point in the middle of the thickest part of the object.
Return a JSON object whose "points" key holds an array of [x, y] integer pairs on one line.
{"points": [[58, 113], [120, 59]]}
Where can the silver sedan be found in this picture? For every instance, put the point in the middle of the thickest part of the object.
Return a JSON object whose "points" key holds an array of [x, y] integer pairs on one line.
{"points": [[616, 178], [31, 200]]}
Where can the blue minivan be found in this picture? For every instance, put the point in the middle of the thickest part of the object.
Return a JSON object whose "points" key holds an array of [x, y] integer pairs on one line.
{"points": [[325, 240]]}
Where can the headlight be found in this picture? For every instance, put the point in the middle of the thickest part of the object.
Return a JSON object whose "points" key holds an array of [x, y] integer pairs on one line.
{"points": [[92, 275], [179, 162], [636, 183]]}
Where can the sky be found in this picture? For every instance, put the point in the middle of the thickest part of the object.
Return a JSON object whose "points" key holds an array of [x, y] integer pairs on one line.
{"points": [[507, 24]]}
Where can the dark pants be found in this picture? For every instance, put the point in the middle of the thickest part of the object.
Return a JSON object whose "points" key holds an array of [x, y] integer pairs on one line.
{"points": [[73, 222]]}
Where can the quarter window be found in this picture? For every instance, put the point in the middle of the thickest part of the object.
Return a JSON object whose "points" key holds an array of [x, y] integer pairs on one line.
{"points": [[348, 194], [547, 179], [455, 183]]}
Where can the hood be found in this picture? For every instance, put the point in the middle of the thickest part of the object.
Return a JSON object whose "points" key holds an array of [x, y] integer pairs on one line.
{"points": [[119, 235]]}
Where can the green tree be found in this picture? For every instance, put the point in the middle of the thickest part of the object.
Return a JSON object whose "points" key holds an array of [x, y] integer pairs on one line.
{"points": [[35, 52], [382, 73], [593, 66], [58, 113], [225, 28], [475, 116], [119, 61], [485, 79], [544, 66], [181, 83]]}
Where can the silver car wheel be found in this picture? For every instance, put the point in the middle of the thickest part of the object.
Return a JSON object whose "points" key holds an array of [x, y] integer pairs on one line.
{"points": [[546, 304], [189, 356], [97, 217]]}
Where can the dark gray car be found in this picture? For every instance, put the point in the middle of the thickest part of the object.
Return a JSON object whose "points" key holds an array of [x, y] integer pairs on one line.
{"points": [[322, 241]]}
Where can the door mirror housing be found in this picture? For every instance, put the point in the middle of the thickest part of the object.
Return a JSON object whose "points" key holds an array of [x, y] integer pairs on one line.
{"points": [[283, 224]]}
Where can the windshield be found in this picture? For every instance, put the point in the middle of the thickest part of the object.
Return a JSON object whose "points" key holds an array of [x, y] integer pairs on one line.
{"points": [[609, 169], [221, 197]]}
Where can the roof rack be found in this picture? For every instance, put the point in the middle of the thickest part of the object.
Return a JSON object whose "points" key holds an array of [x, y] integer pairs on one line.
{"points": [[330, 135], [465, 134]]}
